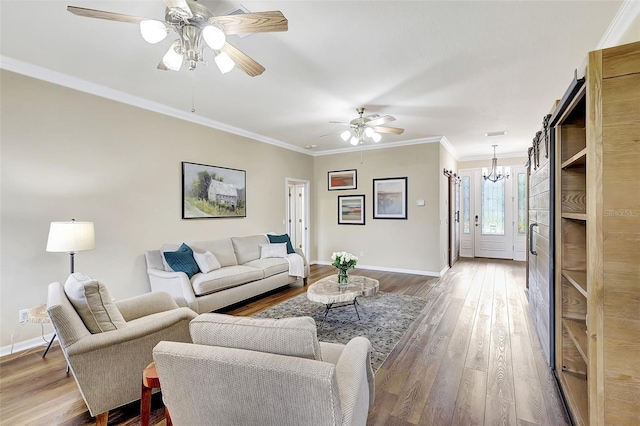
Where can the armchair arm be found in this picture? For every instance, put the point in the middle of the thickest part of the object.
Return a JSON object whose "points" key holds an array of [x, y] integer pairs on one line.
{"points": [[304, 258], [137, 330], [145, 304], [177, 284], [355, 381]]}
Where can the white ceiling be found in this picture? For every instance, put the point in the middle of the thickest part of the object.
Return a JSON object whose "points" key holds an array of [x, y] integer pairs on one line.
{"points": [[452, 68]]}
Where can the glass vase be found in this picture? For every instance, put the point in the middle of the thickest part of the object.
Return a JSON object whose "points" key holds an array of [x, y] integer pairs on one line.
{"points": [[343, 277]]}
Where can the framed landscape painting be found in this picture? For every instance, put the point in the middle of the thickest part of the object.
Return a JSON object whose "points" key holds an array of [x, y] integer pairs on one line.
{"points": [[213, 192], [390, 198], [342, 179], [351, 210]]}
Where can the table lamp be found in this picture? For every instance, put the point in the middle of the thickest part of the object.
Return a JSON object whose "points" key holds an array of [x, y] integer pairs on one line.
{"points": [[71, 237]]}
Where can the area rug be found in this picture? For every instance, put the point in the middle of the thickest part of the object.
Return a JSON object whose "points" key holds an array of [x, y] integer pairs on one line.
{"points": [[385, 318]]}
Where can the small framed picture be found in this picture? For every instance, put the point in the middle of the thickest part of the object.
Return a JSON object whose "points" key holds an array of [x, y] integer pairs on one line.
{"points": [[390, 198], [342, 179], [351, 210]]}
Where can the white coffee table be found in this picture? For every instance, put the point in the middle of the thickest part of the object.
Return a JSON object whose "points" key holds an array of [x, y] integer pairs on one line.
{"points": [[326, 291]]}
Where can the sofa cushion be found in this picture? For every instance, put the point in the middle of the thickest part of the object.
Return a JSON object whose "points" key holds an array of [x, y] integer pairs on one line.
{"points": [[271, 266], [248, 248], [206, 261], [284, 238], [221, 249], [227, 277], [182, 260], [273, 250], [92, 302], [165, 248], [287, 336]]}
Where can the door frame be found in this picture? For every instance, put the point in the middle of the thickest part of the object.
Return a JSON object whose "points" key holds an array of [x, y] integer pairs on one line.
{"points": [[307, 209]]}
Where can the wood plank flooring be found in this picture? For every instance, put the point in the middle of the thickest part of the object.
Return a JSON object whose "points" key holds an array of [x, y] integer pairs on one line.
{"points": [[471, 358]]}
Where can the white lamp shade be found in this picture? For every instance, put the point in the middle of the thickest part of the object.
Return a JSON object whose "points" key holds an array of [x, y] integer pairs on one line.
{"points": [[153, 31], [369, 132], [345, 135], [71, 237], [354, 141], [214, 37], [376, 137], [172, 59], [507, 171], [224, 62]]}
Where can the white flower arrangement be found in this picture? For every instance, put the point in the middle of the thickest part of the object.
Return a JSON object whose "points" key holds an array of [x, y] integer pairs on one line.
{"points": [[344, 260]]}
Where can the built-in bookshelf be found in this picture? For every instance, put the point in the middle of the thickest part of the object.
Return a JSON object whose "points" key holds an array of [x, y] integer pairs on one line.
{"points": [[597, 229]]}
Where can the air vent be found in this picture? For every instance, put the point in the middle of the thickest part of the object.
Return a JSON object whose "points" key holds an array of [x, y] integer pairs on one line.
{"points": [[237, 10]]}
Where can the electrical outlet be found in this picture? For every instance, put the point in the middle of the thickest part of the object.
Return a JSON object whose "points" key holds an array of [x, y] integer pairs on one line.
{"points": [[23, 315]]}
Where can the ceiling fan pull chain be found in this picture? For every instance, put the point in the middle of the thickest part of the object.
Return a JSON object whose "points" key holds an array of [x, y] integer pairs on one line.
{"points": [[193, 96]]}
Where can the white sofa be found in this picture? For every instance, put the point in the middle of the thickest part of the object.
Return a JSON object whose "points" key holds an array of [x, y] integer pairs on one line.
{"points": [[243, 274]]}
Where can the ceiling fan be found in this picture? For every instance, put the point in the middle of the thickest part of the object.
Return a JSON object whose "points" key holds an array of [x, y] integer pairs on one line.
{"points": [[197, 27], [367, 128]]}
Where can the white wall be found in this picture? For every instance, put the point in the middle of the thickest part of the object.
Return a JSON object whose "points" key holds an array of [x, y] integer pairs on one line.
{"points": [[406, 245], [66, 154]]}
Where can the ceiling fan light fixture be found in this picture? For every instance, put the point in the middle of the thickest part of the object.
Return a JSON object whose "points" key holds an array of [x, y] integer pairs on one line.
{"points": [[345, 135], [214, 37], [153, 31], [376, 137], [369, 132], [173, 58], [354, 141], [224, 62]]}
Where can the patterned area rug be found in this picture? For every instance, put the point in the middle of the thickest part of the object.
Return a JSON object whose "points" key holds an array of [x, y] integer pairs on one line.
{"points": [[385, 318]]}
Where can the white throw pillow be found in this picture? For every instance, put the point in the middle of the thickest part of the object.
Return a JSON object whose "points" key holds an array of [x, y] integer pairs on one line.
{"points": [[206, 261], [273, 250], [93, 303]]}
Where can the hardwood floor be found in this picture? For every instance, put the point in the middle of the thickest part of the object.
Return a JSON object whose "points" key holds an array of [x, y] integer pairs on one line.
{"points": [[471, 357]]}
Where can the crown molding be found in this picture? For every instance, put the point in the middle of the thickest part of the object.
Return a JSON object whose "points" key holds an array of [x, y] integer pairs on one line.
{"points": [[61, 79], [627, 14], [490, 157], [359, 148], [447, 145]]}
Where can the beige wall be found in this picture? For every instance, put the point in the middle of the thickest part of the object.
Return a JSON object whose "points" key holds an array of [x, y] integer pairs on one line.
{"points": [[410, 245], [66, 154]]}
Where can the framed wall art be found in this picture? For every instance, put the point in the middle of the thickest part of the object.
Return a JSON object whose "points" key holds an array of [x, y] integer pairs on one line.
{"points": [[342, 179], [390, 198], [213, 192], [351, 210]]}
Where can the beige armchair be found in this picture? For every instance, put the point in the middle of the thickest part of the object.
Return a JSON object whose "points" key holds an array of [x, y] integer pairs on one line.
{"points": [[107, 366], [245, 371]]}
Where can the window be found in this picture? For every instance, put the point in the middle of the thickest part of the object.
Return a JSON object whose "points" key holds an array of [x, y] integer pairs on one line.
{"points": [[466, 205], [492, 207], [522, 203]]}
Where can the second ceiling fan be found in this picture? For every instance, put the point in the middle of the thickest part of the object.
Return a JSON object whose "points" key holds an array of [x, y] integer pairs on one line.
{"points": [[369, 127], [197, 27]]}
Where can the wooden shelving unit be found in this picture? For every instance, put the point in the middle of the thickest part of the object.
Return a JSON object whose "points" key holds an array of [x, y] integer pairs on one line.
{"points": [[597, 226]]}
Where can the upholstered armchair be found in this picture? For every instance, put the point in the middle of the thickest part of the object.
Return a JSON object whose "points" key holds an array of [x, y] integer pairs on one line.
{"points": [[245, 371], [107, 344]]}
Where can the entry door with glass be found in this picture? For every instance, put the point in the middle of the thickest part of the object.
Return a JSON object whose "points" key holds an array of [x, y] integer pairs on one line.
{"points": [[493, 218]]}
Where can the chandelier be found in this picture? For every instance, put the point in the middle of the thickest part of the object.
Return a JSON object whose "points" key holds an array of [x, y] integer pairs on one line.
{"points": [[495, 174]]}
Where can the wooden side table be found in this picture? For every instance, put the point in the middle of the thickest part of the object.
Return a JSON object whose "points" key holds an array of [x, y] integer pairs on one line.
{"points": [[149, 382]]}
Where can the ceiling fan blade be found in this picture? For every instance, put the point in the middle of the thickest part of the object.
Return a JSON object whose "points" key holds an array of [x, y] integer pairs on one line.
{"points": [[259, 22], [185, 11], [340, 122], [378, 121], [242, 61], [100, 14], [330, 134], [383, 129], [162, 66]]}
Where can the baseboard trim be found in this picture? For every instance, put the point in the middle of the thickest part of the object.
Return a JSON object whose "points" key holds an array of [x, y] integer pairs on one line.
{"points": [[26, 344], [387, 269]]}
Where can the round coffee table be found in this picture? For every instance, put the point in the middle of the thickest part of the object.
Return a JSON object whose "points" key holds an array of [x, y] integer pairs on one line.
{"points": [[326, 291]]}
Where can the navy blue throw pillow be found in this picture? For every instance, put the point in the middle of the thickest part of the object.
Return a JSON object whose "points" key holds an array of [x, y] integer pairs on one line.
{"points": [[182, 260], [284, 238]]}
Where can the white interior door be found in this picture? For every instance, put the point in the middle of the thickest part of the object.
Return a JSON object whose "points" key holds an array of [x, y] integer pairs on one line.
{"points": [[493, 218], [298, 213]]}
